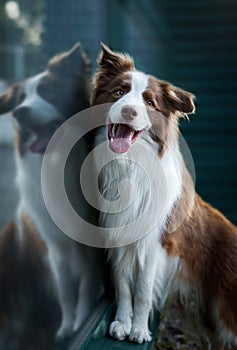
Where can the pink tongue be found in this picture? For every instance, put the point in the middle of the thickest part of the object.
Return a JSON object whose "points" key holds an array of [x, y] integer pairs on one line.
{"points": [[39, 145], [122, 139]]}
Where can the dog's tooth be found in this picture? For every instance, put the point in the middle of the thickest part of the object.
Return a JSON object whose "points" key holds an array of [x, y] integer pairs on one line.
{"points": [[111, 140], [113, 130]]}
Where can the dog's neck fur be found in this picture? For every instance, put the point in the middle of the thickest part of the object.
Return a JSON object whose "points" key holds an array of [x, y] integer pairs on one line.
{"points": [[111, 176], [28, 181]]}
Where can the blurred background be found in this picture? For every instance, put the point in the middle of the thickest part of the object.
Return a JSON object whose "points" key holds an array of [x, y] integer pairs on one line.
{"points": [[193, 44], [190, 43]]}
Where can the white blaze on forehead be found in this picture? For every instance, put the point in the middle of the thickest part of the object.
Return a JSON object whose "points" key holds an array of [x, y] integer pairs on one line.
{"points": [[40, 108], [31, 85], [139, 83]]}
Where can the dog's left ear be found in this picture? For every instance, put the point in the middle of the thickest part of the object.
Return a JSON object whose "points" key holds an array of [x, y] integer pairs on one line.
{"points": [[11, 98], [114, 62], [179, 100], [71, 62]]}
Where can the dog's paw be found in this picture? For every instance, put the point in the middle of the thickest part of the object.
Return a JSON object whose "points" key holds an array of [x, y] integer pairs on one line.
{"points": [[119, 330], [139, 334]]}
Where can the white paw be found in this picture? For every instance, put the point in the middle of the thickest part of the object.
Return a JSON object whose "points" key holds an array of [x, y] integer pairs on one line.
{"points": [[139, 334], [65, 331], [119, 330]]}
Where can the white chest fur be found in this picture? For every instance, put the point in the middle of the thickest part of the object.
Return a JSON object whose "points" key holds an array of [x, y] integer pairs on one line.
{"points": [[143, 186], [28, 181]]}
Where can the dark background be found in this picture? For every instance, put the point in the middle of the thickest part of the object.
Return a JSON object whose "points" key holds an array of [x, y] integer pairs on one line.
{"points": [[193, 44]]}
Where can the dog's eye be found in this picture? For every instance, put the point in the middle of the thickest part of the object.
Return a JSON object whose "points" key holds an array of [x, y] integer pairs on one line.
{"points": [[118, 92], [150, 103]]}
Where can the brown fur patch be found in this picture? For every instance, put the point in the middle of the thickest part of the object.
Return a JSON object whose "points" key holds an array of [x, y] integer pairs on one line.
{"points": [[9, 271], [67, 63], [169, 103], [10, 99], [29, 312], [65, 84], [170, 99], [207, 244], [111, 64], [105, 93]]}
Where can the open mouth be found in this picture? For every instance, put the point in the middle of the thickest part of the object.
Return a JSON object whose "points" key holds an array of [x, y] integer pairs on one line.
{"points": [[39, 144], [121, 137], [42, 136]]}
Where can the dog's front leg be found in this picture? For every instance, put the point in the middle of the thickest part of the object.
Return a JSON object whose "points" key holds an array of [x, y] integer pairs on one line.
{"points": [[66, 294], [121, 326], [143, 301]]}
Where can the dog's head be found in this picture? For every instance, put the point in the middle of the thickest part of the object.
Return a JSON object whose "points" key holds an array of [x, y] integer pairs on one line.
{"points": [[141, 103], [42, 102]]}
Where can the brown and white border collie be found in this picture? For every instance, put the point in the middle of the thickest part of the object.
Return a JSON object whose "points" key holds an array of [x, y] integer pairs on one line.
{"points": [[199, 255], [39, 105]]}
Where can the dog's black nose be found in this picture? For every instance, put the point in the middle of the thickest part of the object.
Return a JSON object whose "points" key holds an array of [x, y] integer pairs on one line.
{"points": [[129, 112], [22, 114]]}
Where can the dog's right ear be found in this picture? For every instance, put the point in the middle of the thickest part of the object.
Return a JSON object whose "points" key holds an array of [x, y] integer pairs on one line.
{"points": [[110, 64], [70, 63], [114, 62], [10, 99]]}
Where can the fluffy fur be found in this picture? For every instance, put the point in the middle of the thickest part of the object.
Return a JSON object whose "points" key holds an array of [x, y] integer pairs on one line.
{"points": [[27, 291], [193, 247], [39, 105]]}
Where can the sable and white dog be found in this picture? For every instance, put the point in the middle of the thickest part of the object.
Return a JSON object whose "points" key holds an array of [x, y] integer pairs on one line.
{"points": [[39, 105], [192, 244]]}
